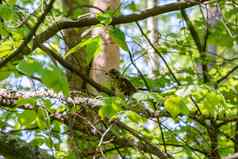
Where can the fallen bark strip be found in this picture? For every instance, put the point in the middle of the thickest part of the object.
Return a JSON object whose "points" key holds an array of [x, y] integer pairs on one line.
{"points": [[9, 98]]}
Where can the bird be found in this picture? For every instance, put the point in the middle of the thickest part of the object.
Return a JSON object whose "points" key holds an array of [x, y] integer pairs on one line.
{"points": [[120, 85]]}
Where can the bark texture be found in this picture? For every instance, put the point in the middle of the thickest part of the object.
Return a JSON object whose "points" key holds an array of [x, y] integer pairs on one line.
{"points": [[109, 58], [152, 25], [72, 37]]}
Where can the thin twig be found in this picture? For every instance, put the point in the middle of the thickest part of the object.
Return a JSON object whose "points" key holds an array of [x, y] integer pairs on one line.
{"points": [[160, 55], [226, 75], [166, 64], [138, 70], [102, 138], [158, 152], [198, 43]]}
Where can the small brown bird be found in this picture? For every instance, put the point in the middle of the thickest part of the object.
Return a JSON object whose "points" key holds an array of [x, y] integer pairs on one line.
{"points": [[120, 84]]}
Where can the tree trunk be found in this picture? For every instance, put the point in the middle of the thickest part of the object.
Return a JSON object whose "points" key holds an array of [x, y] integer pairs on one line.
{"points": [[72, 37], [152, 25], [109, 58], [213, 16], [212, 133]]}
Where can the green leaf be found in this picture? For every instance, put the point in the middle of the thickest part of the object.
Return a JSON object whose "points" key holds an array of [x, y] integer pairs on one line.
{"points": [[5, 48], [53, 77], [38, 141], [219, 36], [133, 6], [61, 108], [7, 12], [73, 50], [212, 100], [119, 37], [6, 71], [93, 46], [42, 119], [49, 105], [23, 101], [175, 105], [104, 18], [12, 2], [56, 126], [30, 67], [3, 30], [110, 107], [147, 96], [133, 116], [27, 118]]}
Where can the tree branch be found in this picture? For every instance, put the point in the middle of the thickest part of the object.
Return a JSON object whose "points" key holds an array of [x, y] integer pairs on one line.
{"points": [[75, 70], [147, 146], [29, 36], [226, 75], [198, 43], [57, 26], [8, 98], [192, 30]]}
